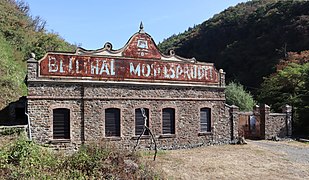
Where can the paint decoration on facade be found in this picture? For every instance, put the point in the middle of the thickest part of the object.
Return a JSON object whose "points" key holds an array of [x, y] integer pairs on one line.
{"points": [[122, 68], [141, 46]]}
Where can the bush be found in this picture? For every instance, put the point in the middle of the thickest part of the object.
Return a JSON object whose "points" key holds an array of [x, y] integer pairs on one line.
{"points": [[236, 95], [24, 159]]}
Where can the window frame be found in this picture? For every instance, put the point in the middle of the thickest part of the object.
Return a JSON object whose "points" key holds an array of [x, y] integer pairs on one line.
{"points": [[208, 122], [67, 135], [172, 131], [117, 133]]}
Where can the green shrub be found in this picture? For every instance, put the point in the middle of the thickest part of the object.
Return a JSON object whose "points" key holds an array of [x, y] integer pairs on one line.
{"points": [[11, 131], [23, 159], [237, 95]]}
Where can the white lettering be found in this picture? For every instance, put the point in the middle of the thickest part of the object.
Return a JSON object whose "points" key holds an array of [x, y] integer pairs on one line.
{"points": [[104, 68], [179, 71], [70, 64], [85, 67], [169, 73], [186, 72], [112, 67], [94, 69], [156, 69], [208, 73], [77, 66], [148, 70], [194, 72], [136, 71], [200, 72], [166, 75], [52, 64], [61, 66]]}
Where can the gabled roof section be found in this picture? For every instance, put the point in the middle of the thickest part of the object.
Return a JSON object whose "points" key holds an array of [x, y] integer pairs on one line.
{"points": [[139, 46]]}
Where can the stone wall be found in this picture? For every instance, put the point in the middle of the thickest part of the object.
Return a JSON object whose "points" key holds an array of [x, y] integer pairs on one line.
{"points": [[40, 113], [267, 125], [275, 126], [87, 102], [279, 124]]}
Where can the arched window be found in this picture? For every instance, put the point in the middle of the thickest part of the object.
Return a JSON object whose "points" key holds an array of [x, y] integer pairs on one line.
{"points": [[112, 122], [61, 123], [140, 120], [205, 120], [168, 121]]}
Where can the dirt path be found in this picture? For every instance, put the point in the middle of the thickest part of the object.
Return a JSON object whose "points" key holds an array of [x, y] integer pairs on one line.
{"points": [[256, 160]]}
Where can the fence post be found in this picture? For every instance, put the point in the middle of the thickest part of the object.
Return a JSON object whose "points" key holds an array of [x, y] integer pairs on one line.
{"points": [[222, 78], [288, 111], [264, 112], [234, 116]]}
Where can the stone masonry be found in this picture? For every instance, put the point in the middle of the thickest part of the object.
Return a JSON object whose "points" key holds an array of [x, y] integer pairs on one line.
{"points": [[87, 99]]}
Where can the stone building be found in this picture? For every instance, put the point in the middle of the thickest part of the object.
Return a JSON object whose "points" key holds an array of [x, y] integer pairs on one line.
{"points": [[97, 95]]}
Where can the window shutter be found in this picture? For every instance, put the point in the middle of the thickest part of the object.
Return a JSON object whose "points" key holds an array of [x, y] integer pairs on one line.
{"points": [[205, 120], [112, 122], [168, 118], [139, 121], [61, 123]]}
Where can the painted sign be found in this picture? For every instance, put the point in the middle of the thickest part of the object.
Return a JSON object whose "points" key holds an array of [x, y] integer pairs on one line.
{"points": [[122, 68], [141, 46]]}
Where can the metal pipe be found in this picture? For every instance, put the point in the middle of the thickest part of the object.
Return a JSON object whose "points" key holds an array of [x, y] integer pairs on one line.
{"points": [[29, 128]]}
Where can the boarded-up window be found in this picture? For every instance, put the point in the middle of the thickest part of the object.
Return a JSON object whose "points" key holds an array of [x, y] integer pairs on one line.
{"points": [[168, 118], [139, 121], [112, 122], [205, 121], [61, 123]]}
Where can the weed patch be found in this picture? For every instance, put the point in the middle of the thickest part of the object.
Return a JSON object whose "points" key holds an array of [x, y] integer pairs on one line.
{"points": [[23, 159]]}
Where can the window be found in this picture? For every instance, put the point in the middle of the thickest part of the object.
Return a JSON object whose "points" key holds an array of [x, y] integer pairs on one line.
{"points": [[205, 120], [112, 122], [168, 118], [139, 121], [61, 123]]}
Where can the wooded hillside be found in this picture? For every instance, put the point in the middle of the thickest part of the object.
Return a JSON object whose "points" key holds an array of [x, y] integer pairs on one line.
{"points": [[21, 34], [247, 40], [260, 44]]}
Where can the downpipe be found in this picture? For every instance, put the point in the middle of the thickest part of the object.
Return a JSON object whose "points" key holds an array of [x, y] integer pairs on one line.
{"points": [[29, 127]]}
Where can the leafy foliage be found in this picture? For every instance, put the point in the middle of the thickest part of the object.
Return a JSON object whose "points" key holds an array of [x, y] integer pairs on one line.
{"points": [[12, 74], [24, 159], [289, 86], [21, 34], [237, 95], [247, 40]]}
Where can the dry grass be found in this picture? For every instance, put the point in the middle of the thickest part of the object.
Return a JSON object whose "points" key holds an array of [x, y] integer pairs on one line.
{"points": [[249, 161]]}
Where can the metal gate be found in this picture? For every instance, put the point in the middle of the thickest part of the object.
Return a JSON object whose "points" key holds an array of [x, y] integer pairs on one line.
{"points": [[249, 126]]}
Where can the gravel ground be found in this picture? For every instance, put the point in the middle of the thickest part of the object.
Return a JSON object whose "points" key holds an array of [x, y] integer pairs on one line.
{"points": [[256, 160], [293, 151]]}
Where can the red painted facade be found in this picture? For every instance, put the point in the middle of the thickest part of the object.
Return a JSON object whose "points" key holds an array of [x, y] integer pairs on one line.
{"points": [[142, 46]]}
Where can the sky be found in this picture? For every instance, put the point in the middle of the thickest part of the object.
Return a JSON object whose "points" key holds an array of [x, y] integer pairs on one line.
{"points": [[92, 23]]}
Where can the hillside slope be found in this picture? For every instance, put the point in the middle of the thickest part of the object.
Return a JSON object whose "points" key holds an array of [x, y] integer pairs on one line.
{"points": [[247, 40], [21, 34]]}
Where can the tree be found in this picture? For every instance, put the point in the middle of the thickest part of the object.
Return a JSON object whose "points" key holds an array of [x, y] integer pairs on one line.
{"points": [[237, 95], [289, 86]]}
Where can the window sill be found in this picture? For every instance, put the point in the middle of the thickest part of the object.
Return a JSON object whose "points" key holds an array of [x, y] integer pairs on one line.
{"points": [[55, 141], [167, 136], [112, 138], [142, 137], [204, 133]]}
